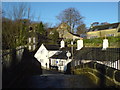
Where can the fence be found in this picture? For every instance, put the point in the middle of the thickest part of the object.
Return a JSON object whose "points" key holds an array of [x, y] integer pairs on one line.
{"points": [[115, 64]]}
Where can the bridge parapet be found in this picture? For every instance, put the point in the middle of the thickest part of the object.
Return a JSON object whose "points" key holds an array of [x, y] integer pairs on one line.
{"points": [[18, 64], [102, 75]]}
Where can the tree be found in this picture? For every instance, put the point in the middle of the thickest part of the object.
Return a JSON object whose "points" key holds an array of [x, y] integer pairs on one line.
{"points": [[40, 28], [81, 29], [8, 34], [18, 11], [15, 25], [14, 33], [54, 36], [71, 16]]}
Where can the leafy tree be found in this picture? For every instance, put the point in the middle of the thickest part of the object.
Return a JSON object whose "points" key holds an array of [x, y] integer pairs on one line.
{"points": [[81, 29], [54, 36], [40, 29], [71, 16]]}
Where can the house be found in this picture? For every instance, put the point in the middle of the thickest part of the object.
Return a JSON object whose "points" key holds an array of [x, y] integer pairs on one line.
{"points": [[55, 55], [44, 52], [109, 57], [64, 56], [64, 32], [104, 30], [61, 59], [32, 38]]}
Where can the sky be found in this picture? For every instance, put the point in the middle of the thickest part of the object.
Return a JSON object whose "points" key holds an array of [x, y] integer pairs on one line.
{"points": [[92, 11]]}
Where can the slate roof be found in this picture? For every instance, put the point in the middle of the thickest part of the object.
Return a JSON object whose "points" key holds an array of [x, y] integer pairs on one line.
{"points": [[63, 53], [110, 54], [52, 47]]}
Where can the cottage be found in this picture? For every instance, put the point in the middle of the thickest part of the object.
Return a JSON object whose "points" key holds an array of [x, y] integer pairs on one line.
{"points": [[61, 59], [44, 52]]}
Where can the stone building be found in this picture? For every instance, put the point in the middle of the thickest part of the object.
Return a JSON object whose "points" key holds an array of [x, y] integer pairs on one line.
{"points": [[32, 38], [104, 30], [64, 32]]}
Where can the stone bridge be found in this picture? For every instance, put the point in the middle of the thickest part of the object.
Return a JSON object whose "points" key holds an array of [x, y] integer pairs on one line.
{"points": [[27, 73]]}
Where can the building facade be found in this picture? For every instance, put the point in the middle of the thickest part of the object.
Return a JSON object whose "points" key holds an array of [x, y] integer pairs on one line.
{"points": [[64, 32], [104, 30], [44, 53], [32, 40]]}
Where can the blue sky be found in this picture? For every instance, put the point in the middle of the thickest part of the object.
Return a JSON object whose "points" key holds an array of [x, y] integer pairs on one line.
{"points": [[92, 11]]}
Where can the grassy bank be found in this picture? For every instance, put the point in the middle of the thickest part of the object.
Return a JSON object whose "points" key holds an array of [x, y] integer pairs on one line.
{"points": [[114, 42]]}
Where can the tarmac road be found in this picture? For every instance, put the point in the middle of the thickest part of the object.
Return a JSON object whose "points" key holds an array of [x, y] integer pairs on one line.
{"points": [[54, 79]]}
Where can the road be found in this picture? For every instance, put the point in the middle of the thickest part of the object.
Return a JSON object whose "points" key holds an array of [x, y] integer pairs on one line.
{"points": [[54, 79]]}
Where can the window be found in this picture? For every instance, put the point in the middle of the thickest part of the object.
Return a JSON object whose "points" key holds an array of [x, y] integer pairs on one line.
{"points": [[96, 30], [110, 27], [33, 47], [51, 33], [93, 37], [106, 28], [61, 63], [41, 60], [53, 62], [30, 47], [29, 39], [31, 28], [33, 39], [108, 35]]}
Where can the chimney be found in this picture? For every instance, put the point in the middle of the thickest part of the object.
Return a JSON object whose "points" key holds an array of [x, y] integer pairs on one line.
{"points": [[79, 44], [105, 44], [62, 44]]}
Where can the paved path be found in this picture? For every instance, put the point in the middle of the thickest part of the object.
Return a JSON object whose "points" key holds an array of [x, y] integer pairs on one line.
{"points": [[56, 80]]}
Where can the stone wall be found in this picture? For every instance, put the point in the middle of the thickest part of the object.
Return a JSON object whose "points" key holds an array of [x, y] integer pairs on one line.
{"points": [[102, 75], [10, 57], [14, 70]]}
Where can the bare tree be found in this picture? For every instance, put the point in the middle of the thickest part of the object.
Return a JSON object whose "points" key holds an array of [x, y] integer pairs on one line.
{"points": [[15, 27], [17, 11], [71, 16]]}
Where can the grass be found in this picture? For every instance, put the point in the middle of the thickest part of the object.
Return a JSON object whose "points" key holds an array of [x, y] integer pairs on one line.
{"points": [[114, 42]]}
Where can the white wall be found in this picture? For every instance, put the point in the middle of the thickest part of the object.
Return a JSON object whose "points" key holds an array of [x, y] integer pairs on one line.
{"points": [[42, 55], [62, 63]]}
